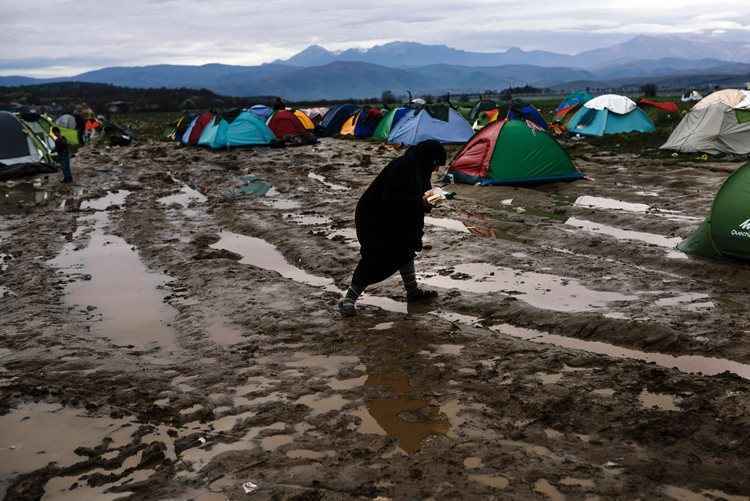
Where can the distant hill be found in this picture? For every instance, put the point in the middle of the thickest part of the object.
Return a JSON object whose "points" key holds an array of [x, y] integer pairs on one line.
{"points": [[316, 73], [643, 47]]}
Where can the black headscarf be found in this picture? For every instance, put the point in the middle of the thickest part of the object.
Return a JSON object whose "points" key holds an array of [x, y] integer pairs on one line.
{"points": [[390, 214]]}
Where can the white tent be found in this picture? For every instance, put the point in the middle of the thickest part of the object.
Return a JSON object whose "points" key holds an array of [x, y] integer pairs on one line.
{"points": [[621, 105], [719, 123]]}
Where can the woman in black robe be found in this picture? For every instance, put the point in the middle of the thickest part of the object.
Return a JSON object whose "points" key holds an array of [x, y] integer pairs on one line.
{"points": [[390, 223]]}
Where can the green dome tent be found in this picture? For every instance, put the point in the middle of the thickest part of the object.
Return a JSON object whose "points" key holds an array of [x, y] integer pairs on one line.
{"points": [[387, 123], [513, 152], [726, 230]]}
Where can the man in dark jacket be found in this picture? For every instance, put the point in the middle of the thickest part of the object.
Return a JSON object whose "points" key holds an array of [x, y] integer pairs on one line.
{"points": [[390, 223], [63, 154]]}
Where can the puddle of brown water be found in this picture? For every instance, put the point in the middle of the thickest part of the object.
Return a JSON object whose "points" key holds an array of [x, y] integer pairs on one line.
{"points": [[330, 365], [347, 384], [472, 463], [660, 401], [223, 333], [308, 219], [495, 481], [308, 454], [541, 290], [543, 487], [261, 254], [34, 435], [111, 199], [410, 421], [691, 301], [682, 494], [446, 224], [184, 197], [686, 363], [322, 180], [620, 234], [281, 203], [549, 378], [609, 203], [585, 483], [275, 441], [604, 392], [13, 199], [321, 404], [124, 292]]}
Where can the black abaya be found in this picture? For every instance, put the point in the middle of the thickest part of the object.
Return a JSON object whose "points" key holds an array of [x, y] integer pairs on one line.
{"points": [[390, 214]]}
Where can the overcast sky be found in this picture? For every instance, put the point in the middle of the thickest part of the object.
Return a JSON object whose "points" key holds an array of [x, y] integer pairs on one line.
{"points": [[61, 37]]}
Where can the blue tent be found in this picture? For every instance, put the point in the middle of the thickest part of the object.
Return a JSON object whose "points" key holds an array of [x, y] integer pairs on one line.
{"points": [[262, 111], [209, 132], [421, 124], [186, 135], [334, 119], [530, 113], [597, 118], [570, 102], [367, 121], [243, 129]]}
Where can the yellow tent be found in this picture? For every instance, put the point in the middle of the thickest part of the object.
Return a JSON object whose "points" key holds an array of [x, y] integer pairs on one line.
{"points": [[309, 125], [348, 128]]}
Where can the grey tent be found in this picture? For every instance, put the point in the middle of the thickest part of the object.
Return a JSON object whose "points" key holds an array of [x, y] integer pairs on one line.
{"points": [[21, 152], [718, 124]]}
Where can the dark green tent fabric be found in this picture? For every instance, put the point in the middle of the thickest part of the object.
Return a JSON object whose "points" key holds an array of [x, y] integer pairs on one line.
{"points": [[524, 153], [438, 111], [743, 116], [726, 231]]}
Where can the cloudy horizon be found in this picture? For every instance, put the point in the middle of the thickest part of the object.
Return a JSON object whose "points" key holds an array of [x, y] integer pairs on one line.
{"points": [[79, 36]]}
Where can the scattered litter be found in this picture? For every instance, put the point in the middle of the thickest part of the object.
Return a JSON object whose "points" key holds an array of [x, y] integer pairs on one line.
{"points": [[202, 441], [249, 487], [437, 196], [248, 185]]}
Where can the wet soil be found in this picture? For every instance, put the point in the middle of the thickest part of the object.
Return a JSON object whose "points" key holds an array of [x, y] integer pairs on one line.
{"points": [[167, 336]]}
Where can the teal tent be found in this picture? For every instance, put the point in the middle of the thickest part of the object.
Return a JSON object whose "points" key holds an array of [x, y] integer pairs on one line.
{"points": [[240, 129], [609, 114]]}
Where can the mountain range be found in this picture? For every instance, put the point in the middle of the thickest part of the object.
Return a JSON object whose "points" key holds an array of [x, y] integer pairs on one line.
{"points": [[317, 73]]}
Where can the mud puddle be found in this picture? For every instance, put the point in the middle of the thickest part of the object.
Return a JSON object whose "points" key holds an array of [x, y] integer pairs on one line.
{"points": [[660, 401], [184, 197], [591, 202], [447, 224], [17, 196], [308, 219], [550, 292], [690, 301], [281, 203], [620, 234], [322, 180], [690, 364], [113, 284], [34, 435], [410, 421], [261, 254]]}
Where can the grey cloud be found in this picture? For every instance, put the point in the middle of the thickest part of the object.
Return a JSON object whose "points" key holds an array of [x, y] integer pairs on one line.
{"points": [[92, 33]]}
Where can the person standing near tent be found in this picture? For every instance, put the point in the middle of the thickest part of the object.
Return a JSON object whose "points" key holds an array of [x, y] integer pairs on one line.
{"points": [[278, 104], [63, 154], [390, 223]]}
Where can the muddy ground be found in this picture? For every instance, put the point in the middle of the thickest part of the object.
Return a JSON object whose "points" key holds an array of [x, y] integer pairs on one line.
{"points": [[170, 332]]}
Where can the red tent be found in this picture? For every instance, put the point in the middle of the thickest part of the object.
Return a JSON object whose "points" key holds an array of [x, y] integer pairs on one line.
{"points": [[285, 123], [667, 106], [200, 124]]}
